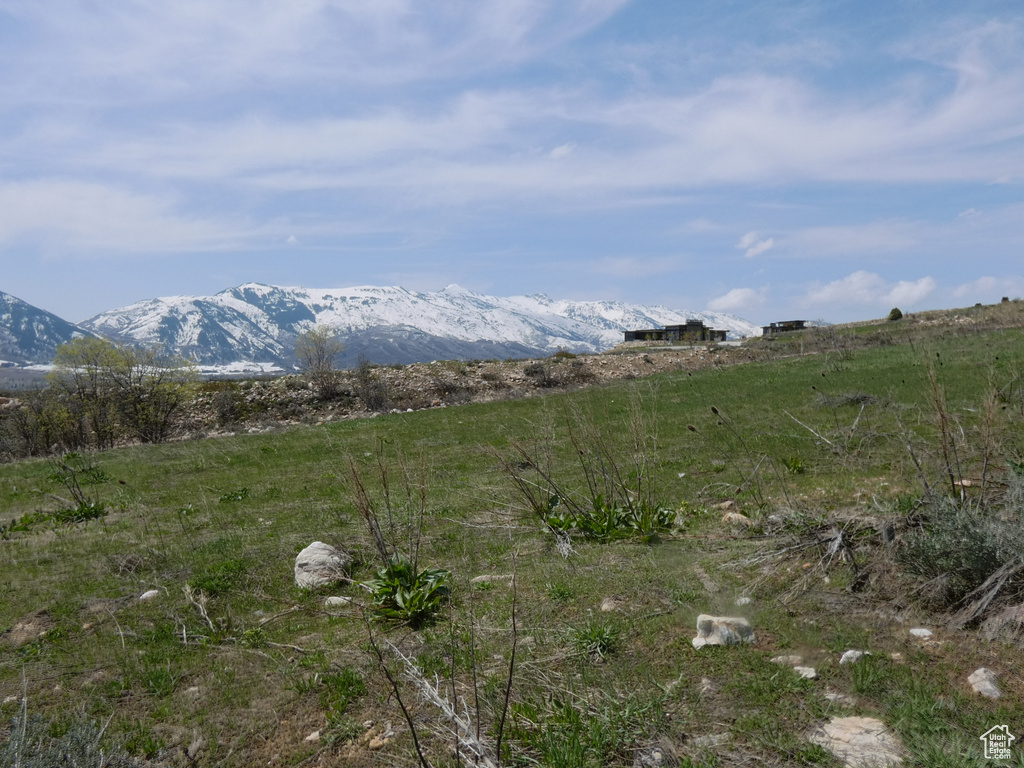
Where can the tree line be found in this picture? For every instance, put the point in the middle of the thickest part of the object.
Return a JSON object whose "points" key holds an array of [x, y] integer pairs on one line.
{"points": [[102, 393]]}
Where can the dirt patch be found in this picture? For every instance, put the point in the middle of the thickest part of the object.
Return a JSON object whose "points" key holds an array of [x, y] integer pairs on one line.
{"points": [[29, 628]]}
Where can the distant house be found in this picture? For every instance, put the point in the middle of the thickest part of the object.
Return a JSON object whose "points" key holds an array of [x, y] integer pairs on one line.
{"points": [[692, 330], [783, 327]]}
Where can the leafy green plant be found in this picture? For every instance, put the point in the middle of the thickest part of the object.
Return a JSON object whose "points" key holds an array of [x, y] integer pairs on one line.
{"points": [[795, 465], [606, 522], [68, 516], [401, 593], [83, 512], [219, 577], [609, 499], [595, 640], [561, 592], [238, 495]]}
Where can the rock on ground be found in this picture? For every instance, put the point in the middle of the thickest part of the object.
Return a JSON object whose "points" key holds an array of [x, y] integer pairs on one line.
{"points": [[985, 682], [791, 660], [722, 630], [860, 742], [320, 564], [849, 657], [610, 604]]}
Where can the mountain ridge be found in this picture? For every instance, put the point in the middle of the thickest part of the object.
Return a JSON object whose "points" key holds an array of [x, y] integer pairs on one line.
{"points": [[258, 323], [29, 334]]}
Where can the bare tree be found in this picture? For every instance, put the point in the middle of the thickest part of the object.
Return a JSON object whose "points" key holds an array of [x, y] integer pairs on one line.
{"points": [[317, 353]]}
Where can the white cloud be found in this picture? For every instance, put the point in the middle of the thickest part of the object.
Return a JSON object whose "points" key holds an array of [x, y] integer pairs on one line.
{"points": [[738, 300], [477, 141], [751, 246], [82, 217], [212, 45], [990, 289], [561, 151], [910, 292], [864, 287]]}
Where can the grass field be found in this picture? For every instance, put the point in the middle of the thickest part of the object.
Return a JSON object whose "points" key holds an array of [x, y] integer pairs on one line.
{"points": [[232, 665]]}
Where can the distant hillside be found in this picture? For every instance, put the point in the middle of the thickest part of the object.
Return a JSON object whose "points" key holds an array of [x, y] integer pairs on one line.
{"points": [[29, 334], [259, 323]]}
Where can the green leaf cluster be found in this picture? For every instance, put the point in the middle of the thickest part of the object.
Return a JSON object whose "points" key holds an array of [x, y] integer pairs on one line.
{"points": [[606, 521], [401, 593]]}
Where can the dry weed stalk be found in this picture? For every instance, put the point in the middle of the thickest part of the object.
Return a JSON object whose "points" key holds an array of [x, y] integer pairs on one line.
{"points": [[455, 722], [459, 726], [199, 600], [408, 502]]}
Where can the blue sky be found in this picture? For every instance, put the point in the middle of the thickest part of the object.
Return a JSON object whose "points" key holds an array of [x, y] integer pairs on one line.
{"points": [[775, 160]]}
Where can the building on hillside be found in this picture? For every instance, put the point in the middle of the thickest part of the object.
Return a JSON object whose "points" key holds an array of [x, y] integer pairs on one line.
{"points": [[692, 330], [783, 327]]}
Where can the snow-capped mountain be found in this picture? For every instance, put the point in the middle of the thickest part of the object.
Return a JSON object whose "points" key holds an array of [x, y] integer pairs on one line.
{"points": [[29, 334], [257, 322]]}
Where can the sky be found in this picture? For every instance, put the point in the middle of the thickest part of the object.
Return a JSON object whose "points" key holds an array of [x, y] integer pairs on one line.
{"points": [[775, 160]]}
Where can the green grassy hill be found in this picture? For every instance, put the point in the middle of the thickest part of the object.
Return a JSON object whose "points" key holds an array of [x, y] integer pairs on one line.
{"points": [[606, 505]]}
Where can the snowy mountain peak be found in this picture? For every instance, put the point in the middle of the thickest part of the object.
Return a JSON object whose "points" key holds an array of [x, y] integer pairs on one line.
{"points": [[29, 334], [257, 322]]}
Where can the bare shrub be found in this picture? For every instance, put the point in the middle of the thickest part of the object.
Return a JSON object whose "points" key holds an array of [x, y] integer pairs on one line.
{"points": [[968, 557], [317, 353], [370, 388], [34, 743]]}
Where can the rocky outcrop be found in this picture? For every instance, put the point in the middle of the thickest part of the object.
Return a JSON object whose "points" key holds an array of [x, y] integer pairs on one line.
{"points": [[860, 742]]}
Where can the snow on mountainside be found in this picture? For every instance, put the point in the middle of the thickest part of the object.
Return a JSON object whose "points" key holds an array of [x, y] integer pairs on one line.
{"points": [[388, 324], [29, 334]]}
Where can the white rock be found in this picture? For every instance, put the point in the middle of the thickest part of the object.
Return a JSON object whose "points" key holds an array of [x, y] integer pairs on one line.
{"points": [[314, 736], [741, 601], [790, 661], [320, 564], [985, 682], [609, 604], [921, 632], [334, 602], [860, 742], [488, 578], [735, 518], [150, 594], [722, 630], [808, 672], [851, 656]]}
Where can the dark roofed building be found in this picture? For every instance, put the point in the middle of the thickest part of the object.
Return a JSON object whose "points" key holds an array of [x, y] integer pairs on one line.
{"points": [[783, 327], [692, 330]]}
